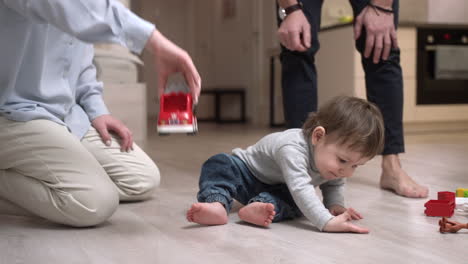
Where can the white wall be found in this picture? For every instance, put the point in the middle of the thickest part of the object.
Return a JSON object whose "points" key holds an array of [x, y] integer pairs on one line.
{"points": [[448, 11], [414, 11]]}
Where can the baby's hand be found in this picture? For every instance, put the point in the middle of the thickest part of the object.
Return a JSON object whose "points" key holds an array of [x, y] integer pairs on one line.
{"points": [[341, 223], [338, 209]]}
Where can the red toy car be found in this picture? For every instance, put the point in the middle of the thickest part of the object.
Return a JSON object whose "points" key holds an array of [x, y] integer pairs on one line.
{"points": [[176, 114]]}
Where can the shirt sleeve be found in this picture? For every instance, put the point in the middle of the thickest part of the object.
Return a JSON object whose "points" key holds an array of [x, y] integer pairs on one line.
{"points": [[92, 21], [332, 192], [358, 5], [294, 166], [89, 90]]}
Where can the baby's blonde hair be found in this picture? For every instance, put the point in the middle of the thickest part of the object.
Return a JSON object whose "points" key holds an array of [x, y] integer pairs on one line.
{"points": [[351, 121]]}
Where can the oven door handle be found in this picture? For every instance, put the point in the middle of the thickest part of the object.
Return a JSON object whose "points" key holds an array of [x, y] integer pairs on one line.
{"points": [[430, 47]]}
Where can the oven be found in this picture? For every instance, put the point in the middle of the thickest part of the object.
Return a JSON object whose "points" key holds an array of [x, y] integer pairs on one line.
{"points": [[442, 65]]}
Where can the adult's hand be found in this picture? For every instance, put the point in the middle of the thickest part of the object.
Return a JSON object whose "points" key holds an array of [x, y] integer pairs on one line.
{"points": [[380, 30], [341, 223], [294, 32], [168, 59], [107, 123]]}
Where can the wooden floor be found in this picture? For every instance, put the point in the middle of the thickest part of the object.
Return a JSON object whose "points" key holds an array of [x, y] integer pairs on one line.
{"points": [[156, 231]]}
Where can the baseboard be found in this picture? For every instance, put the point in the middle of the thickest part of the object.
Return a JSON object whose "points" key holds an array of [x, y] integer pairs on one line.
{"points": [[435, 127]]}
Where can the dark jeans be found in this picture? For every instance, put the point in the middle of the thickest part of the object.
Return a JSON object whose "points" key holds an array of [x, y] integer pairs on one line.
{"points": [[384, 84], [225, 177]]}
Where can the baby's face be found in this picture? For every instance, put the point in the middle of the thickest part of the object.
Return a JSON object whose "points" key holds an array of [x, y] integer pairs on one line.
{"points": [[335, 161]]}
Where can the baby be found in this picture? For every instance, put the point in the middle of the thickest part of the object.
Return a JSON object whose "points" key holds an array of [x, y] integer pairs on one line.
{"points": [[276, 177]]}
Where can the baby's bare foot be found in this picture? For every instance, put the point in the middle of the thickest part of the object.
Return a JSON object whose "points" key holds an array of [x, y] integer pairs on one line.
{"points": [[394, 178], [207, 214], [257, 213]]}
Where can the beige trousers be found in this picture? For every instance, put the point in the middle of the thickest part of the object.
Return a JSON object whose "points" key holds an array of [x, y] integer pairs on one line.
{"points": [[51, 173]]}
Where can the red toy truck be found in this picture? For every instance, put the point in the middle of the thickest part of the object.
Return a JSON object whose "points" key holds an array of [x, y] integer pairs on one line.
{"points": [[176, 114]]}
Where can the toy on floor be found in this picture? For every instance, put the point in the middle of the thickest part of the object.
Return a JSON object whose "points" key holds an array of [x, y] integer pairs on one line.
{"points": [[443, 206], [461, 192], [447, 226], [176, 114]]}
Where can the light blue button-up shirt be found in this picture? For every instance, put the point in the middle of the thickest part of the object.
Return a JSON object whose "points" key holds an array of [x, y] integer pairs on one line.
{"points": [[46, 53]]}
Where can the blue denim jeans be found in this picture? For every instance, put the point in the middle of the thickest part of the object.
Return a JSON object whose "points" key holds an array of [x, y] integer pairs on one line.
{"points": [[225, 177]]}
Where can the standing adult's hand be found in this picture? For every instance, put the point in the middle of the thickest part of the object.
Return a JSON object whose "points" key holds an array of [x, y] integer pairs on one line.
{"points": [[168, 59], [294, 32], [380, 30]]}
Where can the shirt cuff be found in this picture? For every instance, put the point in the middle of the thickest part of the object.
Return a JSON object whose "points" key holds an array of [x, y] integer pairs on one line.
{"points": [[323, 221], [330, 202], [95, 107], [137, 31]]}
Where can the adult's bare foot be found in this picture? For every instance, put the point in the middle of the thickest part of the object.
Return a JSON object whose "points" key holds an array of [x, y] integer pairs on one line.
{"points": [[207, 214], [257, 213], [394, 178]]}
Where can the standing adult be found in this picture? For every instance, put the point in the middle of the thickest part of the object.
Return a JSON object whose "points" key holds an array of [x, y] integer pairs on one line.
{"points": [[62, 155], [376, 40]]}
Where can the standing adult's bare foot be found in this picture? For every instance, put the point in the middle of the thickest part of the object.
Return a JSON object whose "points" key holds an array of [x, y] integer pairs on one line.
{"points": [[394, 178], [207, 214], [257, 213]]}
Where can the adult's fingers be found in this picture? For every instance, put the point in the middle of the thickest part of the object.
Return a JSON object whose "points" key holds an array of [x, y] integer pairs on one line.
{"points": [[104, 133], [357, 28], [306, 36], [126, 138], [193, 79], [378, 47], [283, 37], [295, 42], [369, 45], [162, 80], [387, 46], [286, 44], [130, 141], [393, 36]]}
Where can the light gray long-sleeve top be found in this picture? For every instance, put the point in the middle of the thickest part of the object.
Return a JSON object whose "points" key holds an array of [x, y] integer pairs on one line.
{"points": [[287, 157], [46, 53]]}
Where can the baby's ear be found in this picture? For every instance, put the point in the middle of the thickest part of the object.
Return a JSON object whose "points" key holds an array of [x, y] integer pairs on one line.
{"points": [[318, 134]]}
